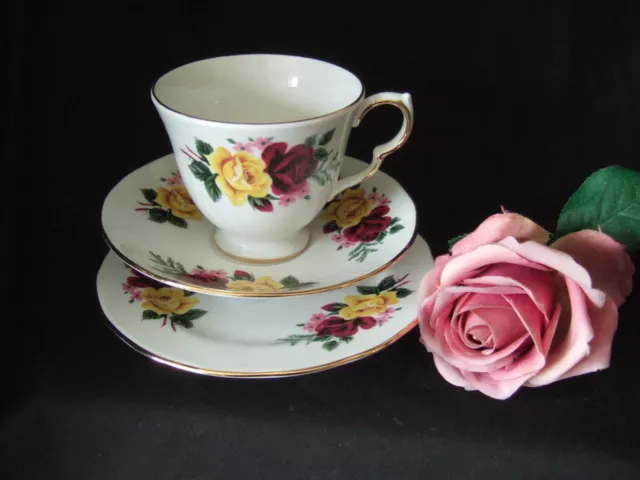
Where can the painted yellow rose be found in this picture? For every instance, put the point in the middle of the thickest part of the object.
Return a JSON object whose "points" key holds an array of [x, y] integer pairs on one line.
{"points": [[178, 200], [352, 207], [240, 175], [262, 284], [167, 300], [367, 305]]}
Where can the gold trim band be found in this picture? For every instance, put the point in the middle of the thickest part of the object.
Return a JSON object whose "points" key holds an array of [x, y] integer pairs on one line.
{"points": [[283, 373], [228, 293]]}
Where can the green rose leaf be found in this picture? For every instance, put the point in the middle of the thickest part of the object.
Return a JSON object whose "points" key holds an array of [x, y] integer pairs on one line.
{"points": [[455, 240], [608, 200], [212, 189], [176, 221], [158, 215], [330, 346], [200, 171], [362, 290], [326, 138], [190, 316], [151, 315], [203, 148], [396, 228], [386, 283], [310, 141], [320, 154], [149, 194], [403, 292], [290, 282]]}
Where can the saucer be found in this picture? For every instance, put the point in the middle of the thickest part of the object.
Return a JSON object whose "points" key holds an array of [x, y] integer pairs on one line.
{"points": [[229, 337], [150, 222]]}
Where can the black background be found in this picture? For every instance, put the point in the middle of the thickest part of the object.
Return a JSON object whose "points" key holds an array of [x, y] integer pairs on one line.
{"points": [[516, 103]]}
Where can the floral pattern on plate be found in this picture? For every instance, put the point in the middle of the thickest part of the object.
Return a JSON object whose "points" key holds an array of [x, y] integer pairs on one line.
{"points": [[340, 321], [170, 203], [359, 222], [261, 171], [159, 302], [238, 281]]}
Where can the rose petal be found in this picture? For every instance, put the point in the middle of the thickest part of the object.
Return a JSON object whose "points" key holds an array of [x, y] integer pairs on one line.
{"points": [[530, 317], [466, 266], [498, 389], [605, 323], [539, 285], [504, 325], [451, 374], [430, 281], [499, 226], [574, 346], [471, 301], [556, 260], [606, 260]]}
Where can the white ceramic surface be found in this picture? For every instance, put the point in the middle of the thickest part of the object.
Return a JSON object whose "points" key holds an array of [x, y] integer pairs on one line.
{"points": [[239, 338], [150, 223], [259, 141]]}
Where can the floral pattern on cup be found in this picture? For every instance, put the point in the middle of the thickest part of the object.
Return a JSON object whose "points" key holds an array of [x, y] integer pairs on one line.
{"points": [[359, 221], [338, 322], [158, 302], [170, 203], [260, 171], [238, 281]]}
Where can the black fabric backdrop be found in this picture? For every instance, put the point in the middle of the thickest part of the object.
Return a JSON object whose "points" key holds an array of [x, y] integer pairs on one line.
{"points": [[516, 103]]}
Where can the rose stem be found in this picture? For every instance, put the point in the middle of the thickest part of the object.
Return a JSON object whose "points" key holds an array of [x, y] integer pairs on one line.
{"points": [[142, 209], [194, 153], [164, 321], [192, 158], [173, 326], [146, 204]]}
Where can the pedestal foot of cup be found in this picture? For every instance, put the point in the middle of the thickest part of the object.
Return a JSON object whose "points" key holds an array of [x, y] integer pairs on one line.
{"points": [[259, 250]]}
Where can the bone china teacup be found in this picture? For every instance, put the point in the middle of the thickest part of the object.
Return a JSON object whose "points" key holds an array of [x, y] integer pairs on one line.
{"points": [[259, 141]]}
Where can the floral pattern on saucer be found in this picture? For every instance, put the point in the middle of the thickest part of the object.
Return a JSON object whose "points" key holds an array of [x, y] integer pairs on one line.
{"points": [[340, 321], [159, 302], [359, 222], [262, 171], [170, 203], [239, 281]]}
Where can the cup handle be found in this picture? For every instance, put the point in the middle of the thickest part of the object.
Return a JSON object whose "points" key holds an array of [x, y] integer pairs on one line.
{"points": [[399, 100]]}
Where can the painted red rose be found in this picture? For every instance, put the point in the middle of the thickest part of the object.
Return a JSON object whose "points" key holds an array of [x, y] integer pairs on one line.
{"points": [[140, 281], [339, 327], [290, 169], [369, 227]]}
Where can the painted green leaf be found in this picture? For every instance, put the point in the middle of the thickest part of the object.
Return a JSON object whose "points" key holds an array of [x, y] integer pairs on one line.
{"points": [[455, 240], [190, 316], [203, 148], [149, 194], [310, 141], [320, 154], [187, 293], [305, 284], [151, 315], [321, 338], [251, 139], [297, 324], [362, 290], [158, 215], [176, 221], [403, 292], [333, 307], [290, 281], [326, 138], [330, 346], [212, 189], [331, 226], [307, 197], [386, 283], [394, 220], [396, 228], [346, 339], [182, 322], [200, 170], [381, 236], [271, 197], [231, 140], [608, 200]]}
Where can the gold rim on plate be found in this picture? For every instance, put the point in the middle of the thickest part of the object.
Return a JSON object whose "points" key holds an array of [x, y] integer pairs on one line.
{"points": [[226, 293], [283, 373]]}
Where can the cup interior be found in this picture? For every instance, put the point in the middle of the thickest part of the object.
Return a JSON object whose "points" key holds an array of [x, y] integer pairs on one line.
{"points": [[258, 89]]}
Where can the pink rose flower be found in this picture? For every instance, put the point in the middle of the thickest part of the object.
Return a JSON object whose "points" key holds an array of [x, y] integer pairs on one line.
{"points": [[506, 310]]}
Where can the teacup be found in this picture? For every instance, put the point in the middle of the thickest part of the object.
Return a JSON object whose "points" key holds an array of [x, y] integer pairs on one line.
{"points": [[259, 141]]}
